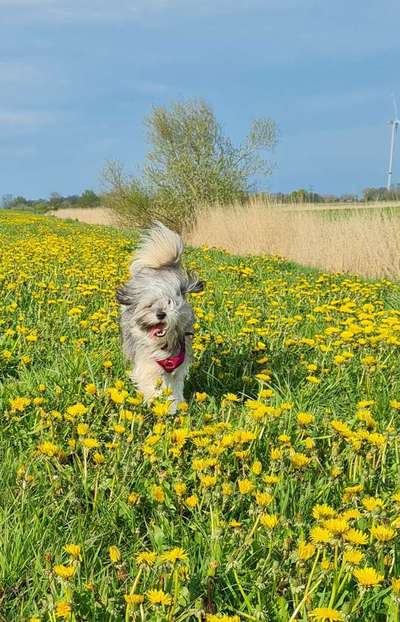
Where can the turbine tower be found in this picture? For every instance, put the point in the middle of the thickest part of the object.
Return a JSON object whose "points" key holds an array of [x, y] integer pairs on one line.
{"points": [[395, 124]]}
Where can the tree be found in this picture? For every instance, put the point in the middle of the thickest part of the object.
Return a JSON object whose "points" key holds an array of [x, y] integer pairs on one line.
{"points": [[89, 198], [191, 163], [55, 200], [7, 201]]}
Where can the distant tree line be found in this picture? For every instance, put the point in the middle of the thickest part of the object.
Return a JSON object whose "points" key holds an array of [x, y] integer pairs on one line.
{"points": [[308, 196], [88, 198], [382, 194]]}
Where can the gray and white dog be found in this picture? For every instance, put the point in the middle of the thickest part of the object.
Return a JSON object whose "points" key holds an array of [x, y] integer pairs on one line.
{"points": [[156, 319]]}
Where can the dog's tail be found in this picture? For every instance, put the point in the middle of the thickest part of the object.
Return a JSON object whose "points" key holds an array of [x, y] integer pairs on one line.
{"points": [[159, 247]]}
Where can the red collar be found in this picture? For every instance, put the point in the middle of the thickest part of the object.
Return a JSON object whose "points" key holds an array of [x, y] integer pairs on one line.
{"points": [[172, 362]]}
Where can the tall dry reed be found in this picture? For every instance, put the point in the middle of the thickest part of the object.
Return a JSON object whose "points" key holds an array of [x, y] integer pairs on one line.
{"points": [[89, 215], [366, 243]]}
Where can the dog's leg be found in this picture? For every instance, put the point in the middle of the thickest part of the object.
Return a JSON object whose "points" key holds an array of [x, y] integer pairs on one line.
{"points": [[175, 382], [146, 375]]}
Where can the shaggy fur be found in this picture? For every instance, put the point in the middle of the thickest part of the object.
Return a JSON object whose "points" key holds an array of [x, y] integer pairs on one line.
{"points": [[156, 319]]}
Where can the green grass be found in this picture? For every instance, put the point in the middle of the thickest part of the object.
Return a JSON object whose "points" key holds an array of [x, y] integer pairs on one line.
{"points": [[343, 213], [272, 341]]}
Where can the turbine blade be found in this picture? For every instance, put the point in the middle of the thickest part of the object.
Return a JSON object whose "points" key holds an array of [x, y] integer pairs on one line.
{"points": [[396, 115]]}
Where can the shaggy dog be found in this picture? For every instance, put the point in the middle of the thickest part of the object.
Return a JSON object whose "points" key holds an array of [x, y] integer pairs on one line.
{"points": [[156, 319]]}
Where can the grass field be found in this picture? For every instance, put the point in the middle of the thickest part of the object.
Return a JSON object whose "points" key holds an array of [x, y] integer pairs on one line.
{"points": [[348, 237], [273, 495]]}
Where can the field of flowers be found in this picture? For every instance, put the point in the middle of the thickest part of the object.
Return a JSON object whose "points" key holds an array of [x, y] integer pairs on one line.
{"points": [[274, 493]]}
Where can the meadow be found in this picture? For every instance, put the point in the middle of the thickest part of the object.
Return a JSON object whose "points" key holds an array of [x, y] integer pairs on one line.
{"points": [[273, 494], [362, 238]]}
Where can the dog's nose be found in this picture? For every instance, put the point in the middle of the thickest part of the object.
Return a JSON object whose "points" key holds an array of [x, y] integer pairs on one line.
{"points": [[161, 315]]}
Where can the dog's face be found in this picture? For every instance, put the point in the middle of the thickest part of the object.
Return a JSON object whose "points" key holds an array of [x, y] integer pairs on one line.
{"points": [[157, 302]]}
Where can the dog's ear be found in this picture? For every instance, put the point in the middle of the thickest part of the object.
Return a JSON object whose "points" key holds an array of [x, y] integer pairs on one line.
{"points": [[125, 296], [192, 285]]}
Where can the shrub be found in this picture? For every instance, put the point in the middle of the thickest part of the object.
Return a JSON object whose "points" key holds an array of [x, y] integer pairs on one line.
{"points": [[190, 163]]}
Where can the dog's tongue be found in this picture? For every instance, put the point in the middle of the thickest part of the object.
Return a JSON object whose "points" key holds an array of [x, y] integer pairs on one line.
{"points": [[158, 330]]}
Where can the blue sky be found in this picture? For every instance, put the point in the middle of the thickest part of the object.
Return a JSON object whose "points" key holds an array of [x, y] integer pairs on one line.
{"points": [[77, 77]]}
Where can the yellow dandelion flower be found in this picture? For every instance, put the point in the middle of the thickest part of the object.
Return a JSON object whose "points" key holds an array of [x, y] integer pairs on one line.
{"points": [[322, 511], [326, 614], [158, 597], [299, 460], [180, 489], [114, 554], [63, 609], [319, 535], [271, 479], [368, 576], [263, 498], [200, 397], [372, 503], [256, 467], [133, 599], [396, 586], [208, 481], [99, 458], [304, 418], [161, 409], [192, 501], [351, 491], [356, 536], [309, 443], [174, 555], [276, 453], [327, 565], [82, 429], [73, 549], [158, 494], [352, 556], [231, 397], [351, 514], [269, 520], [65, 572], [133, 498], [77, 410], [382, 533], [48, 449], [305, 550], [245, 486], [337, 526], [91, 388], [227, 489], [90, 443], [147, 558], [218, 617]]}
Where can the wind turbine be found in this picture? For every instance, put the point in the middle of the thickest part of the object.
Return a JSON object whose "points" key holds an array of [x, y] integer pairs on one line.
{"points": [[395, 124]]}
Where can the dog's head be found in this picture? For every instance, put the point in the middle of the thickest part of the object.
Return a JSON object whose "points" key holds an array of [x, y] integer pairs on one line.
{"points": [[156, 301]]}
